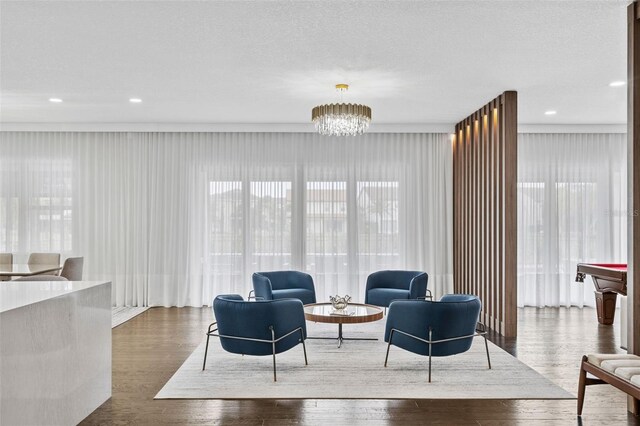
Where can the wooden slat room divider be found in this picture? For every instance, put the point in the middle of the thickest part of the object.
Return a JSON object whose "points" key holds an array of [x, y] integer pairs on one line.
{"points": [[633, 187], [633, 179], [485, 210]]}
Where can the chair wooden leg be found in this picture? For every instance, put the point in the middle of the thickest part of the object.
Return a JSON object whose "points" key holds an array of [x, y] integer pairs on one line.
{"points": [[582, 384]]}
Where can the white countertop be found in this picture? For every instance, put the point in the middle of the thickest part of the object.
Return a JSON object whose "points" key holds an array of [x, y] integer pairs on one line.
{"points": [[16, 294]]}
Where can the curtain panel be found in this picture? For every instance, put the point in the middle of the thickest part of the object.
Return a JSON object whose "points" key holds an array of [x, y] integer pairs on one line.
{"points": [[571, 209], [173, 219]]}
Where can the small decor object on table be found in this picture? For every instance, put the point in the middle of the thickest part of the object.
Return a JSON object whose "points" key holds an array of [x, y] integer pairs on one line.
{"points": [[339, 303]]}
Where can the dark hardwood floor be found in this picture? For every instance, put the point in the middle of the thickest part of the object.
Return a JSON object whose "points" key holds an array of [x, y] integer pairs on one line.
{"points": [[150, 348]]}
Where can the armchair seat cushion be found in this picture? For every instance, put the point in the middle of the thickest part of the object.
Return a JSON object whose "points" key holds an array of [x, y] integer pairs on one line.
{"points": [[384, 296], [305, 296]]}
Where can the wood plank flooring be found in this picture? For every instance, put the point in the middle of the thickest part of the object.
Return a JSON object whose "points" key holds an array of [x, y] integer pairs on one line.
{"points": [[148, 349]]}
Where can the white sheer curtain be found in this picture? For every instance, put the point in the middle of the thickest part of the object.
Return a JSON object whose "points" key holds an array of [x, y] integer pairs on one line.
{"points": [[175, 218], [571, 209]]}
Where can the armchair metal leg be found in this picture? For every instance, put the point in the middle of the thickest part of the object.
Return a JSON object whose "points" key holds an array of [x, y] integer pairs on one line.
{"points": [[386, 358], [273, 346], [249, 297], [206, 349], [486, 346], [430, 345], [304, 348]]}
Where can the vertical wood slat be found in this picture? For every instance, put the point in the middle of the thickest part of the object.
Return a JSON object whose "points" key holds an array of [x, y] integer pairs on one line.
{"points": [[633, 186], [455, 212], [458, 242], [511, 213], [476, 168], [494, 144], [485, 215], [474, 215], [485, 220], [500, 210], [499, 216], [633, 181], [457, 246], [467, 148]]}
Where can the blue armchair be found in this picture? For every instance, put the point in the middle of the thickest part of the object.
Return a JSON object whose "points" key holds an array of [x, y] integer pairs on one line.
{"points": [[436, 329], [284, 285], [383, 287], [257, 328]]}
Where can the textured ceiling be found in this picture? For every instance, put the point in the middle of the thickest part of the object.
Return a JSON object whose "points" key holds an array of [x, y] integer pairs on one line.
{"points": [[272, 61]]}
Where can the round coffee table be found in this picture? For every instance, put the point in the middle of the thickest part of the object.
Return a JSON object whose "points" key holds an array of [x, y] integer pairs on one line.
{"points": [[354, 313]]}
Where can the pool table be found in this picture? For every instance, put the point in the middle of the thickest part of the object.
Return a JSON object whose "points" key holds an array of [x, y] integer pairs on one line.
{"points": [[609, 279]]}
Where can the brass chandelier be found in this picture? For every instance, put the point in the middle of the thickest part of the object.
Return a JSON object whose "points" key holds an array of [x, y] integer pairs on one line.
{"points": [[341, 119]]}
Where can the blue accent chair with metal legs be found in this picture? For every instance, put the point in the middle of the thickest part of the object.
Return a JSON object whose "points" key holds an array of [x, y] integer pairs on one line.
{"points": [[258, 328], [284, 285], [435, 329], [383, 287]]}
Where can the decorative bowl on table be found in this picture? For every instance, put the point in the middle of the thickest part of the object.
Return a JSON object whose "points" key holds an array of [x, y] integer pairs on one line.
{"points": [[339, 303]]}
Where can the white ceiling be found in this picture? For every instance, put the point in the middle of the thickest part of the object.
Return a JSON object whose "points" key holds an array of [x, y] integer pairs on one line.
{"points": [[272, 61]]}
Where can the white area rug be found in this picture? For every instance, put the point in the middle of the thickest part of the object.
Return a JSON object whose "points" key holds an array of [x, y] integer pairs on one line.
{"points": [[125, 313], [356, 371]]}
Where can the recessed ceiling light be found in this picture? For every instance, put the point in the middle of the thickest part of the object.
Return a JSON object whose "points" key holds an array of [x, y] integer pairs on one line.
{"points": [[619, 83], [55, 100], [550, 112], [135, 100]]}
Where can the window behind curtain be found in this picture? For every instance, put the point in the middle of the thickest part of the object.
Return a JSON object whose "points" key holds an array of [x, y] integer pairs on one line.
{"points": [[249, 226], [327, 242], [378, 226], [577, 234], [571, 209], [225, 221], [251, 229], [36, 206], [270, 225]]}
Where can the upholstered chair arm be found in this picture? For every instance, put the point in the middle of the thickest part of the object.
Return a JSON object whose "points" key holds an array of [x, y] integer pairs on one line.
{"points": [[305, 281], [373, 281], [262, 287], [408, 316], [418, 286], [230, 297], [288, 315]]}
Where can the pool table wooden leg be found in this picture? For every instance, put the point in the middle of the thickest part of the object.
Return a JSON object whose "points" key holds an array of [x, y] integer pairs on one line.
{"points": [[606, 307]]}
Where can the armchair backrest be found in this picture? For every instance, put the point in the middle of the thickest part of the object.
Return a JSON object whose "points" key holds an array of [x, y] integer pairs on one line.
{"points": [[240, 318], [401, 280], [44, 259], [6, 259], [281, 280], [72, 268], [453, 316]]}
